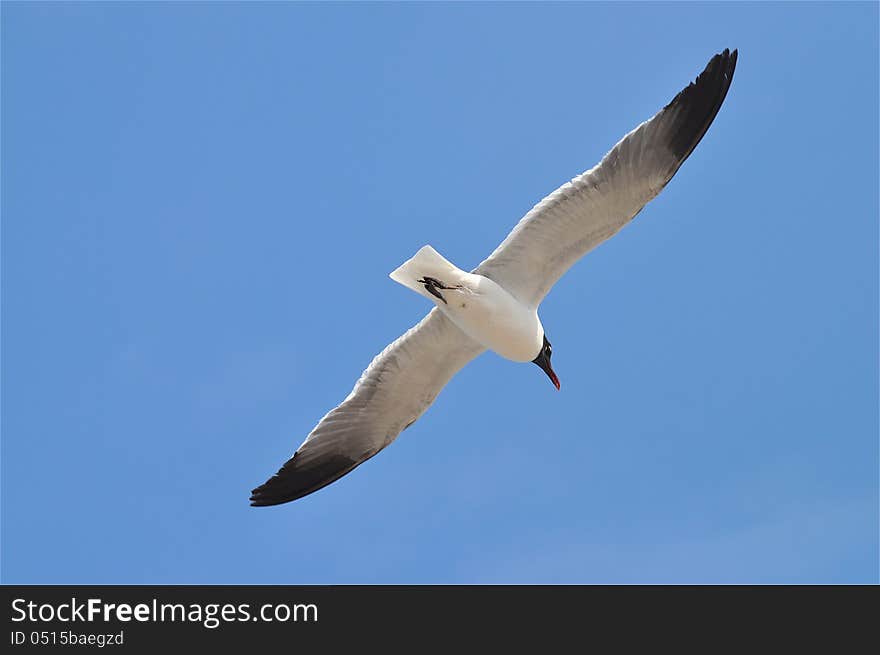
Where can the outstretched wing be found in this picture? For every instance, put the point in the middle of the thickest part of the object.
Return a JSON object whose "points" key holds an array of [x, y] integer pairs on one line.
{"points": [[583, 213], [395, 390]]}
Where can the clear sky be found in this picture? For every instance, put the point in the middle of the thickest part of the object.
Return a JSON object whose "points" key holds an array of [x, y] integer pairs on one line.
{"points": [[201, 204]]}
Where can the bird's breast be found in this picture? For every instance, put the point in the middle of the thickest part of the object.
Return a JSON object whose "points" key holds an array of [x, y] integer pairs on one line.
{"points": [[489, 314]]}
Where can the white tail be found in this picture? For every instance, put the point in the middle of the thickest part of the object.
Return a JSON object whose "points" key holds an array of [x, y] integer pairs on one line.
{"points": [[426, 262]]}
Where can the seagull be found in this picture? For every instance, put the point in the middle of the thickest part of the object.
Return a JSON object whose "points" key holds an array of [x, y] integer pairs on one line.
{"points": [[495, 306]]}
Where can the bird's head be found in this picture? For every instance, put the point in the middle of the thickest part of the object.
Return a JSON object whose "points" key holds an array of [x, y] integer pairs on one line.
{"points": [[543, 361]]}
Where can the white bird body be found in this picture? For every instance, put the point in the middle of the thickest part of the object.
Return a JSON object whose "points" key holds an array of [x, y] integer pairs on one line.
{"points": [[495, 306], [478, 306]]}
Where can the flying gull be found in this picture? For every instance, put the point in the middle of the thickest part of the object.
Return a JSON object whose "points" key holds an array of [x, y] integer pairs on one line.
{"points": [[495, 306]]}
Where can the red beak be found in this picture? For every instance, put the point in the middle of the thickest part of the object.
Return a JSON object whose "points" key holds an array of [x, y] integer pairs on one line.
{"points": [[553, 378], [544, 364]]}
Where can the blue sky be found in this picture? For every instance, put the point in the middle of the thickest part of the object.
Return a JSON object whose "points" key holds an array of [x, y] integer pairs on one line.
{"points": [[189, 191]]}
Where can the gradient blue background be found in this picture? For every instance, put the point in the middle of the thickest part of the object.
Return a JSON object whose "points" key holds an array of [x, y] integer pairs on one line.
{"points": [[201, 204]]}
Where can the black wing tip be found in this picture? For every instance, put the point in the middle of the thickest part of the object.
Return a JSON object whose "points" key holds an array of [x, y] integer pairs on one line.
{"points": [[696, 106], [266, 496], [297, 479]]}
